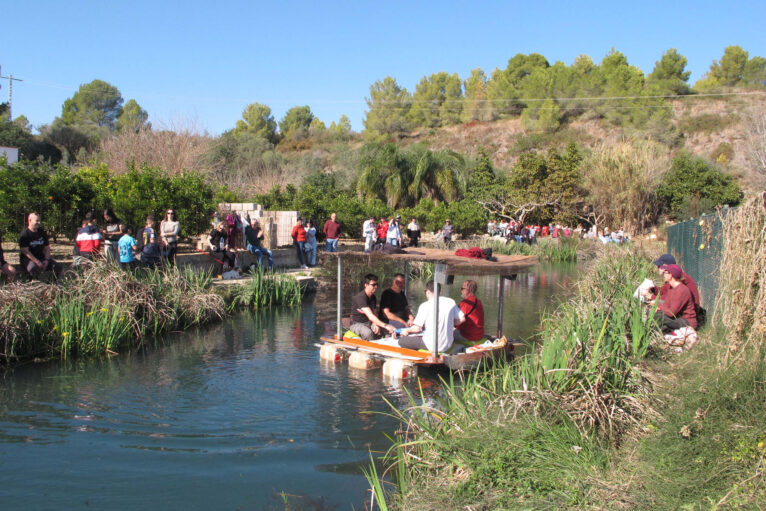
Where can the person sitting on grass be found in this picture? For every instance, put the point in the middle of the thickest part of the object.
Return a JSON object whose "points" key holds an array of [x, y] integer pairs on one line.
{"points": [[676, 307], [5, 268], [450, 317], [126, 247], [218, 246], [472, 329], [394, 308], [364, 322], [34, 249], [254, 238], [654, 293]]}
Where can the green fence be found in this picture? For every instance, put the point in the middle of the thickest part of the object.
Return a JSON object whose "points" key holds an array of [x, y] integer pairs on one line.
{"points": [[696, 245]]}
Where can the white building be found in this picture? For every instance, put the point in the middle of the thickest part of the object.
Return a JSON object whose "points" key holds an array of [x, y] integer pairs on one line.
{"points": [[11, 153]]}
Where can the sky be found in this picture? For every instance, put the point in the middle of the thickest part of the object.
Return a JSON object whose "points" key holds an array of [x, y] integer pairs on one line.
{"points": [[195, 64]]}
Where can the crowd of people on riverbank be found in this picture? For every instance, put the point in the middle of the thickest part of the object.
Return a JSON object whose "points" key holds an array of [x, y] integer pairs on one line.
{"points": [[113, 242], [528, 233]]}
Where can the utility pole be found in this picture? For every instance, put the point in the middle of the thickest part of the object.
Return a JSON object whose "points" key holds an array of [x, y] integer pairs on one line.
{"points": [[11, 79]]}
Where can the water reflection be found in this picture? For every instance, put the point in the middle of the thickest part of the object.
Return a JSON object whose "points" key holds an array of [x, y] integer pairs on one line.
{"points": [[221, 417]]}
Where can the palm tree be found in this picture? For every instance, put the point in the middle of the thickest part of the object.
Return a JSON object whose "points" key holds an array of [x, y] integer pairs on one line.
{"points": [[439, 175], [384, 174]]}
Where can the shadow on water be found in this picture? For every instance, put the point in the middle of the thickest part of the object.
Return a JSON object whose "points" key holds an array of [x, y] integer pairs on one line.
{"points": [[227, 416]]}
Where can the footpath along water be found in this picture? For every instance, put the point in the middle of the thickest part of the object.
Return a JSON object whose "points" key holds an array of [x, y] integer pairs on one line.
{"points": [[225, 417]]}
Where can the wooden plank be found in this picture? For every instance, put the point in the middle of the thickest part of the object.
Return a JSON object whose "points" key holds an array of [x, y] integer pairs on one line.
{"points": [[391, 351]]}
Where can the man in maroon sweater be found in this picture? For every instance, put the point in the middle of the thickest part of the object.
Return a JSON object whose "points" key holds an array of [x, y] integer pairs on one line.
{"points": [[331, 231], [687, 280], [676, 307]]}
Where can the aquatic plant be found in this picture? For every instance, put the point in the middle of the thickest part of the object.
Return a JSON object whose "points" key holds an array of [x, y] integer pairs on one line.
{"points": [[268, 288], [101, 308]]}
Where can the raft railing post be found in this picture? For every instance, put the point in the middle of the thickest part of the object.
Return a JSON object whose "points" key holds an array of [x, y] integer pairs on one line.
{"points": [[406, 278], [435, 346], [440, 279], [500, 306], [340, 298]]}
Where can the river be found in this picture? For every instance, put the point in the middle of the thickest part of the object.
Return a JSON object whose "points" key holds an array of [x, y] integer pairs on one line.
{"points": [[238, 415]]}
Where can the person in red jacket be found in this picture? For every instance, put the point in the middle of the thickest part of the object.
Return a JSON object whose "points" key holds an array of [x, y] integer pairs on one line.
{"points": [[472, 329], [299, 239], [676, 307]]}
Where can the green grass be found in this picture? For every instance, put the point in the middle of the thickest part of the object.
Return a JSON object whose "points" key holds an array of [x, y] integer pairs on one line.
{"points": [[710, 440]]}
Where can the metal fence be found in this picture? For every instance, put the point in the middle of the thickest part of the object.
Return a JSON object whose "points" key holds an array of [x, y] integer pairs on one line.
{"points": [[697, 245]]}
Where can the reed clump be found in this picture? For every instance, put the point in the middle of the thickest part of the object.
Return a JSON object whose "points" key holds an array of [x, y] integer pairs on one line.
{"points": [[267, 288], [741, 302], [101, 309]]}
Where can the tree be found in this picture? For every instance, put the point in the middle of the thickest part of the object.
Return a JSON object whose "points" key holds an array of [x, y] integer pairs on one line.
{"points": [[669, 75], [731, 68], [133, 118], [342, 128], [546, 117], [295, 123], [23, 123], [475, 105], [436, 175], [694, 186], [541, 188], [755, 72], [257, 120], [317, 127], [97, 103], [504, 89], [389, 105], [483, 178], [384, 174], [437, 100]]}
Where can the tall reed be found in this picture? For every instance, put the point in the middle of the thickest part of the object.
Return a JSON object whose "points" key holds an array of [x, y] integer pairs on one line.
{"points": [[101, 309], [268, 289]]}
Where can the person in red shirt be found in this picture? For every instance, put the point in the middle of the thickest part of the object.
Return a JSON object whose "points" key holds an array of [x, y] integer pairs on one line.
{"points": [[299, 239], [676, 307], [331, 231], [472, 329], [382, 230], [685, 278]]}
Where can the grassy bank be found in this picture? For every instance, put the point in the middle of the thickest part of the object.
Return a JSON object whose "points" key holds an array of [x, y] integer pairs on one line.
{"points": [[101, 309], [602, 415]]}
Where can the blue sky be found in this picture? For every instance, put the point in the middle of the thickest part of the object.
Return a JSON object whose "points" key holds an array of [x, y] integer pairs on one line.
{"points": [[200, 63]]}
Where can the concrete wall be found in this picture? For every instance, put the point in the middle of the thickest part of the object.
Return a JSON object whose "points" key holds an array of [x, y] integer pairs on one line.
{"points": [[277, 225]]}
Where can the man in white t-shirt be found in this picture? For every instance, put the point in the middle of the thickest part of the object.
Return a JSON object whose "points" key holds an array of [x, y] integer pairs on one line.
{"points": [[450, 316]]}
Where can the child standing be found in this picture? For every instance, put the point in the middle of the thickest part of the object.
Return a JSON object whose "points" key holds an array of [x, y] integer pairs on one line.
{"points": [[125, 246]]}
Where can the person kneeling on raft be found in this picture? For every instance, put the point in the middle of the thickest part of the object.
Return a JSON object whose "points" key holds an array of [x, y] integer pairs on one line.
{"points": [[364, 322], [450, 316]]}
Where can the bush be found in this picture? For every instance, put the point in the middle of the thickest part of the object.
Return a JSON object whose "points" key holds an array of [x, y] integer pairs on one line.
{"points": [[693, 186]]}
